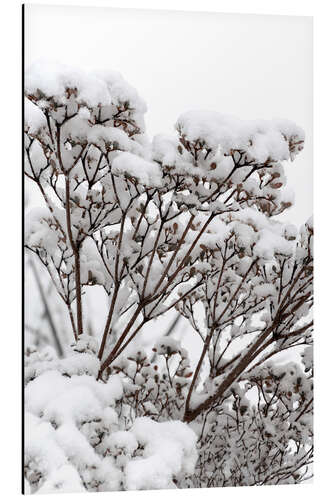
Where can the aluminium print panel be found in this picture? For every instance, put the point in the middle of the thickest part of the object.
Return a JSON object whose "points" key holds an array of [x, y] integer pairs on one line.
{"points": [[168, 250]]}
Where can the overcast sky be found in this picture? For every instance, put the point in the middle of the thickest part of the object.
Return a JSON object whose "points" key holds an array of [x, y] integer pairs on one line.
{"points": [[250, 66]]}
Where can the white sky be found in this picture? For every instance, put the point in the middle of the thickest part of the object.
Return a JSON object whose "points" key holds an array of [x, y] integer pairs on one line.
{"points": [[250, 66]]}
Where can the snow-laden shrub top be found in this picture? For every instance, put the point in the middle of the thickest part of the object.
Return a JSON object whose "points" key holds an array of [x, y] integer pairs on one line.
{"points": [[55, 86], [261, 140]]}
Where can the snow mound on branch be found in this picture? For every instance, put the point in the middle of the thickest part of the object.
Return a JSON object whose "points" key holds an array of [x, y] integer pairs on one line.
{"points": [[53, 79], [275, 140], [120, 90], [258, 235], [169, 449], [52, 86], [76, 440], [167, 346], [41, 446], [66, 416], [147, 172], [72, 398], [34, 117]]}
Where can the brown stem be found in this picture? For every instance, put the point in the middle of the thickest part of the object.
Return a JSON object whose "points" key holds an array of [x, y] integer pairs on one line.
{"points": [[304, 409], [208, 339], [297, 332], [115, 351], [47, 310], [76, 261], [122, 337], [188, 253], [151, 261], [117, 280], [120, 240], [71, 317], [219, 371], [276, 351], [244, 361], [70, 235], [229, 380], [172, 258], [140, 218], [108, 321], [287, 295], [49, 206], [130, 338]]}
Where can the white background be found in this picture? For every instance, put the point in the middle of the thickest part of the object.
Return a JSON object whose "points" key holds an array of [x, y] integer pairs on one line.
{"points": [[11, 220]]}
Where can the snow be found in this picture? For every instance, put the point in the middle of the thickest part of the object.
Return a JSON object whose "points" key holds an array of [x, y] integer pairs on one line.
{"points": [[51, 87], [112, 135], [121, 442], [74, 437], [146, 172], [52, 79], [34, 118], [38, 231], [169, 449], [263, 291], [261, 139], [269, 243], [167, 346], [290, 232], [62, 479], [72, 398], [120, 90], [60, 409], [165, 148], [45, 454], [256, 234]]}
